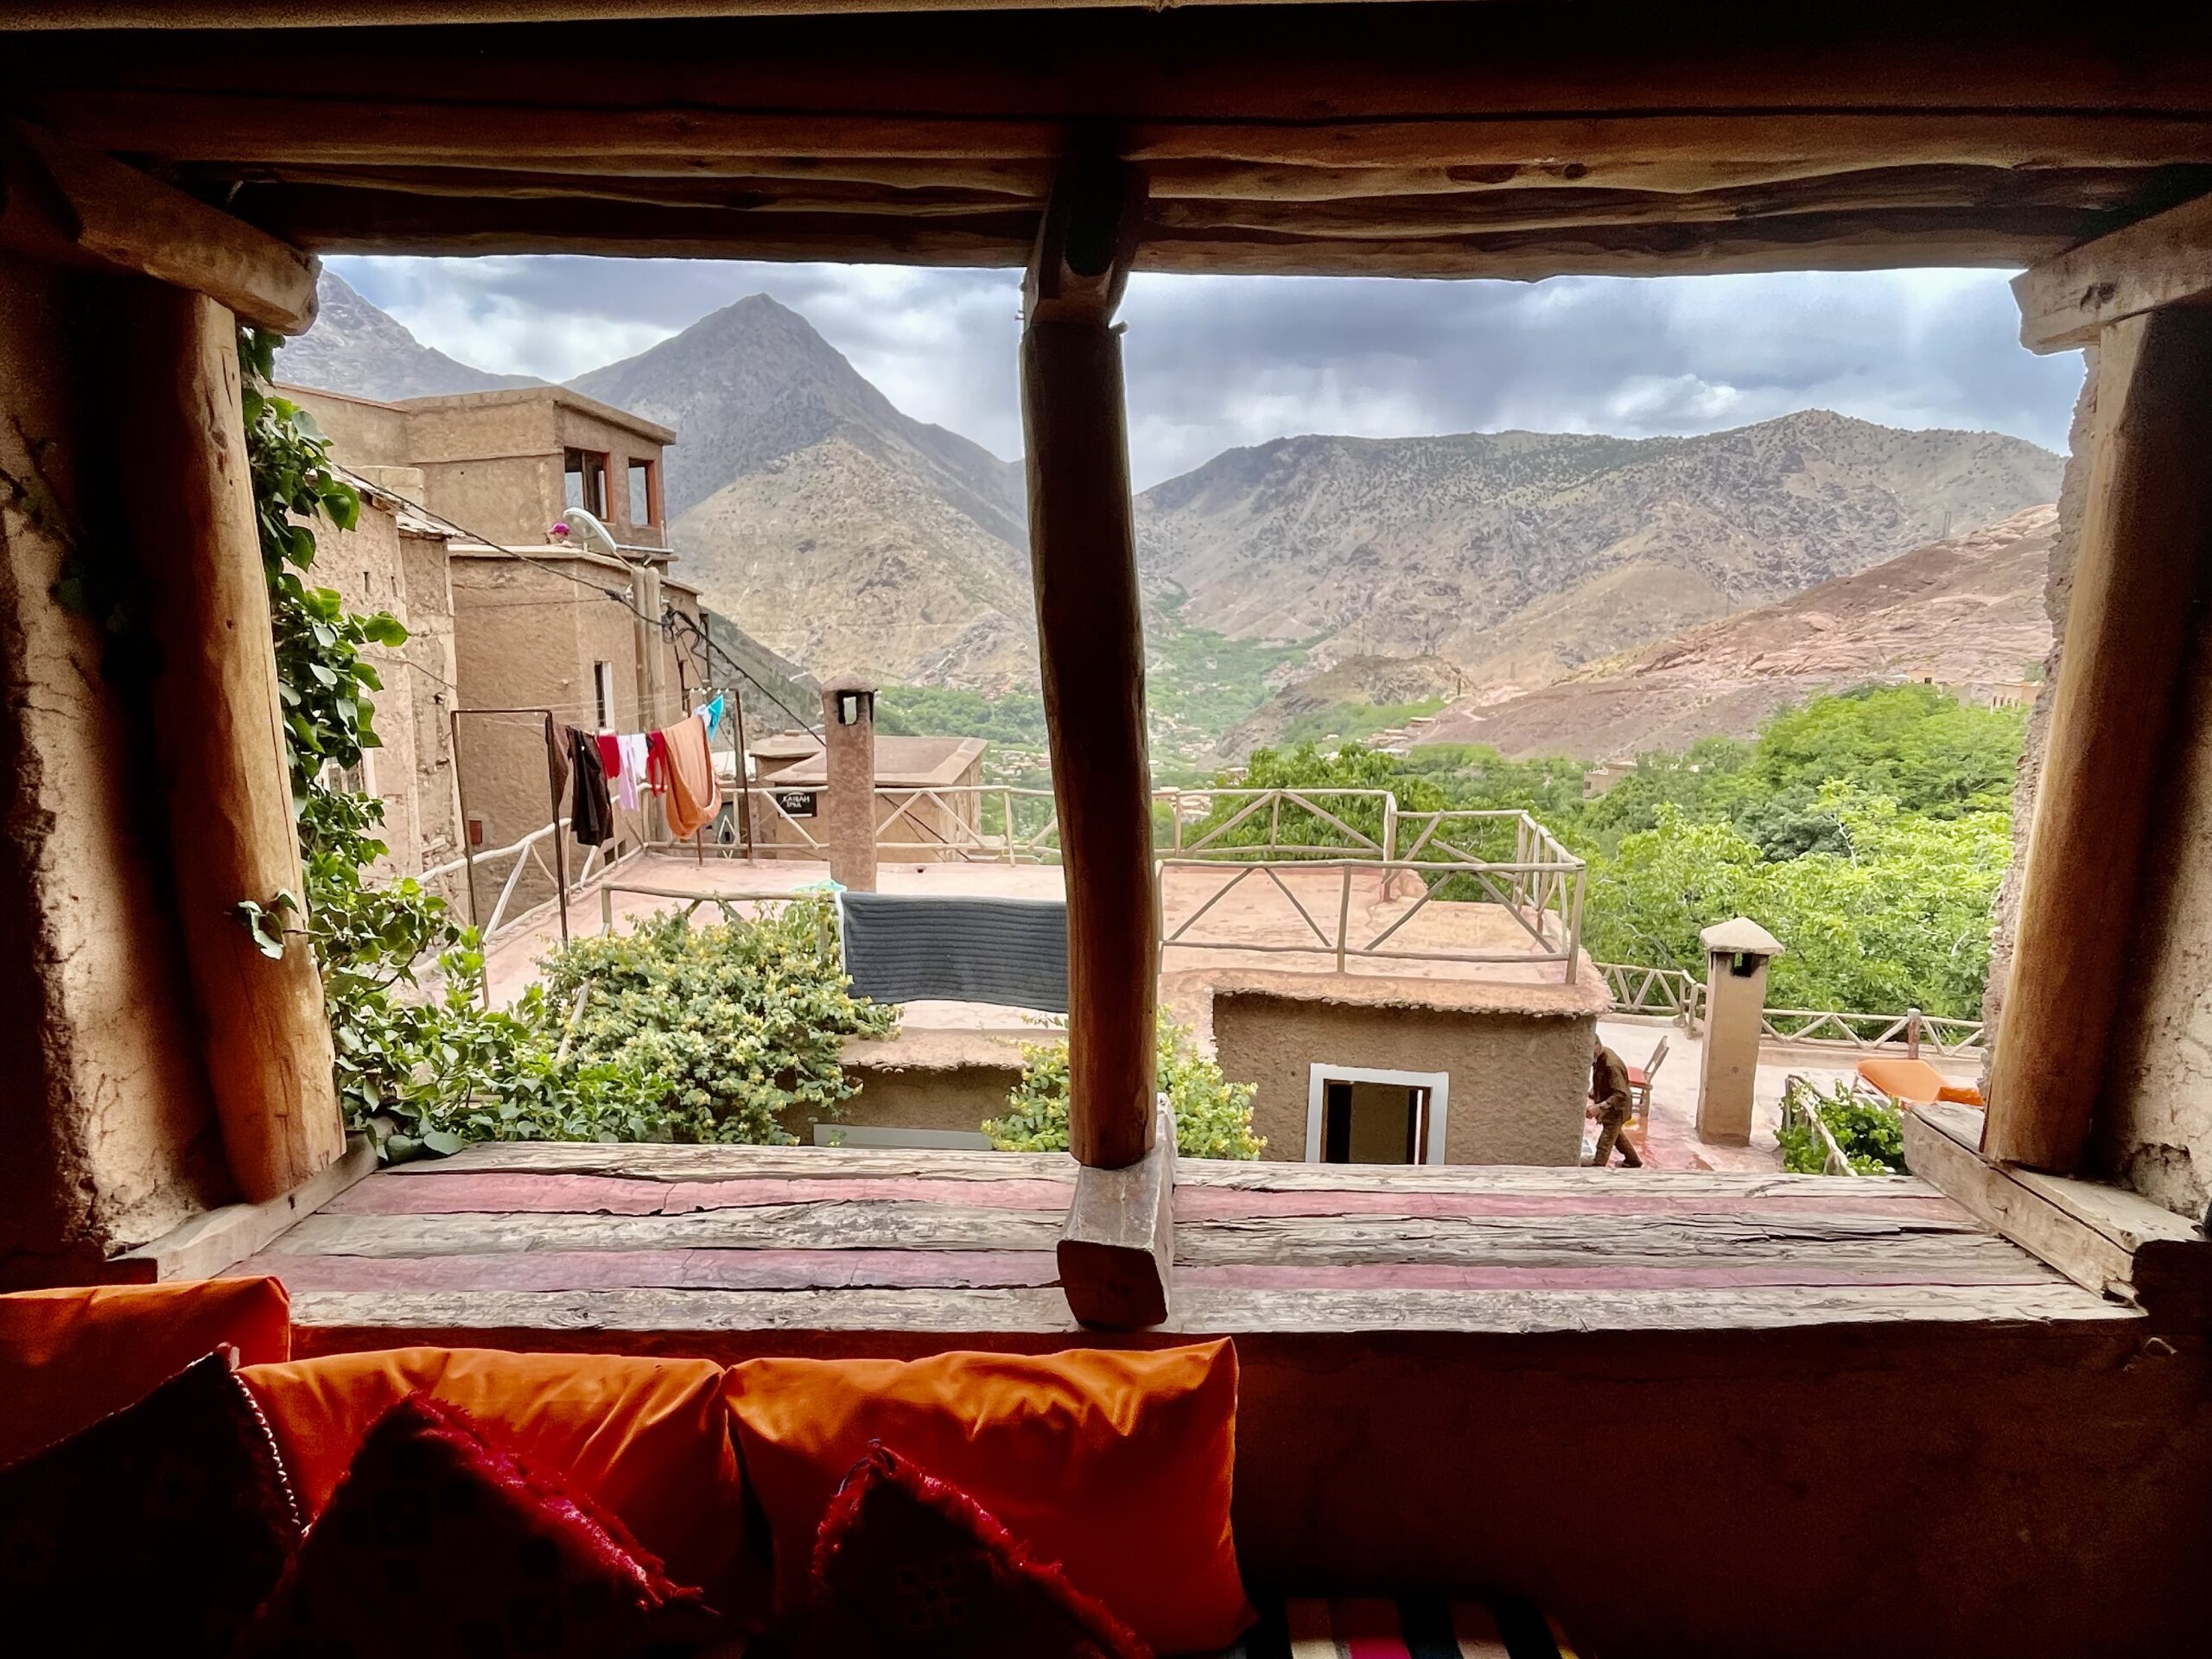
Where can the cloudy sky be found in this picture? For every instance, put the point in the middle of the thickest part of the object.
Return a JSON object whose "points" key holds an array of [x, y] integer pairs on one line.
{"points": [[1217, 361]]}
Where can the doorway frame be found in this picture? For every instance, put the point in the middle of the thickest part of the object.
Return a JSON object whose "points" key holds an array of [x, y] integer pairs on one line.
{"points": [[1320, 1074]]}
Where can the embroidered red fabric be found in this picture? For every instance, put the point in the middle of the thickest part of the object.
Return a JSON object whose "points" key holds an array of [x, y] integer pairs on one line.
{"points": [[440, 1545], [909, 1564], [157, 1529]]}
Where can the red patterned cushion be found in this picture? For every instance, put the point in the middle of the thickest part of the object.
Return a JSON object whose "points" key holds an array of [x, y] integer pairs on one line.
{"points": [[439, 1545], [156, 1530], [908, 1564]]}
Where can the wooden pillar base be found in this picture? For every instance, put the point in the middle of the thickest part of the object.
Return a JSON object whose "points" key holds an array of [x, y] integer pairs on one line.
{"points": [[1117, 1250]]}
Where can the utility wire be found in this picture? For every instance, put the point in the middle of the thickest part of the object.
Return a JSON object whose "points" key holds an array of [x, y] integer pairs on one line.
{"points": [[664, 623]]}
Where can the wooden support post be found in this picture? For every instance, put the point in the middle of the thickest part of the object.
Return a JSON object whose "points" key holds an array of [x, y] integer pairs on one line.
{"points": [[1115, 1256], [218, 740], [1117, 1250], [1090, 647], [2144, 530]]}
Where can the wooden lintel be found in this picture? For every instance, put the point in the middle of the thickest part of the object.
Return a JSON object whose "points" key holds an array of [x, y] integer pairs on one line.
{"points": [[94, 207], [2104, 1238], [1117, 1251], [2165, 259], [211, 1244]]}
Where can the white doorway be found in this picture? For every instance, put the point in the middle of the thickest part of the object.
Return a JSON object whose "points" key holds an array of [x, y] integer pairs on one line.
{"points": [[1357, 1114]]}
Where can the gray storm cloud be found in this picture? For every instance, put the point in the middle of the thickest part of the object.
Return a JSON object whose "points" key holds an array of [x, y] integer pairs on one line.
{"points": [[1217, 362]]}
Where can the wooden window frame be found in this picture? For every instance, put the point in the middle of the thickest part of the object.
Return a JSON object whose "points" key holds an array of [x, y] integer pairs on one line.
{"points": [[1320, 1074]]}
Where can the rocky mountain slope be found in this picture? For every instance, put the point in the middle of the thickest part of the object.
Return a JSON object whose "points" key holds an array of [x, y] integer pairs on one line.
{"points": [[1966, 612], [843, 533], [358, 349], [1354, 684], [1520, 555]]}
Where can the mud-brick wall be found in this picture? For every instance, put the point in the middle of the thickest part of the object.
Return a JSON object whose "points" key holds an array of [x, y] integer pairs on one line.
{"points": [[1518, 1080], [2154, 1118], [108, 1132]]}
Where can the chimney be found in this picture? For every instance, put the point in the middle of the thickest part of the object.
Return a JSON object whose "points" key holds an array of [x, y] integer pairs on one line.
{"points": [[849, 757]]}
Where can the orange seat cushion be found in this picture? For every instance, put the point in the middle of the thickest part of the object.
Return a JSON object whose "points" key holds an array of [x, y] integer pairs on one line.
{"points": [[1115, 1465], [646, 1439], [69, 1358]]}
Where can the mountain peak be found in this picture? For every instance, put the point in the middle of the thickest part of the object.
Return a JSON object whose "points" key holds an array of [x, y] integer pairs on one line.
{"points": [[363, 352]]}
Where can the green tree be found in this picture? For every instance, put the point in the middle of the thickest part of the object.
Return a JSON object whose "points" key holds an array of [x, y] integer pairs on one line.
{"points": [[1213, 1117]]}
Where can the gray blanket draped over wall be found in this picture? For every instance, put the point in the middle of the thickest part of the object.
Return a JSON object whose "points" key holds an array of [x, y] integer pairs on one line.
{"points": [[909, 947]]}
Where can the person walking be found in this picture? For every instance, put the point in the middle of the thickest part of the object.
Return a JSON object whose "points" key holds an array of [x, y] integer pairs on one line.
{"points": [[1609, 1090]]}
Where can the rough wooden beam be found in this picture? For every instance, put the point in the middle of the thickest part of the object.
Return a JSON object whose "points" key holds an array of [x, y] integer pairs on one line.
{"points": [[1090, 647], [337, 220], [211, 1243], [1660, 150], [1117, 1251], [218, 749], [127, 221], [2163, 260], [2146, 533], [2103, 1238]]}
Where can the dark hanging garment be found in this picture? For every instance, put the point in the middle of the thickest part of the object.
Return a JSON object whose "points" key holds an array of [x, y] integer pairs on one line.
{"points": [[591, 814], [907, 947], [559, 739]]}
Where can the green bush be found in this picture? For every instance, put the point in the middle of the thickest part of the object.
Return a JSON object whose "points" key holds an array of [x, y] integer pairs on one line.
{"points": [[722, 1029], [1213, 1117], [1869, 1133]]}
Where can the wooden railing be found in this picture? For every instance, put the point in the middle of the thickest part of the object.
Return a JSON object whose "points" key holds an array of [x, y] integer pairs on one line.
{"points": [[1239, 822], [1869, 1033], [977, 824], [1553, 923], [532, 852], [1641, 990]]}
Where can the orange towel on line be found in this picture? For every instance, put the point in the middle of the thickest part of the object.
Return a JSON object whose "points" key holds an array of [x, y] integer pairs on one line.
{"points": [[693, 796]]}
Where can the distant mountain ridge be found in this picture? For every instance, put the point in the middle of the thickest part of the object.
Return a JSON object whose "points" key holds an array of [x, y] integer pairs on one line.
{"points": [[1520, 556], [842, 534], [357, 349], [1966, 612]]}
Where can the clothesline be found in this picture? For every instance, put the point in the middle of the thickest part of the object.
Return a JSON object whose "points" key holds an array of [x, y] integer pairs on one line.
{"points": [[675, 763]]}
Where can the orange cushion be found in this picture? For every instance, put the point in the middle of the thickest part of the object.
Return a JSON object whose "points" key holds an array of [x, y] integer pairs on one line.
{"points": [[1115, 1465], [69, 1358], [647, 1439]]}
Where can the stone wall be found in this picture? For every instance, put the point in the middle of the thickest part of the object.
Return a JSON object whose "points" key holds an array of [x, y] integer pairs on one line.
{"points": [[110, 1134], [1518, 1080]]}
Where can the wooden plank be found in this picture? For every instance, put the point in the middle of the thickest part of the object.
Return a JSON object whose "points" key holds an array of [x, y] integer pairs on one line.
{"points": [[1196, 1203], [1090, 654], [132, 222], [2016, 1269], [716, 1163], [1938, 1146], [613, 1195], [1116, 1253], [2165, 259], [2146, 526], [1576, 1240], [218, 752], [211, 1244], [920, 1321], [808, 1226], [2132, 1248], [680, 1269]]}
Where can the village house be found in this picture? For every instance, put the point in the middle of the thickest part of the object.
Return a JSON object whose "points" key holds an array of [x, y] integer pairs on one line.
{"points": [[523, 622]]}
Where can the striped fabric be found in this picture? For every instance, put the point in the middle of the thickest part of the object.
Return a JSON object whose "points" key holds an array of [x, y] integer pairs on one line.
{"points": [[1405, 1627]]}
